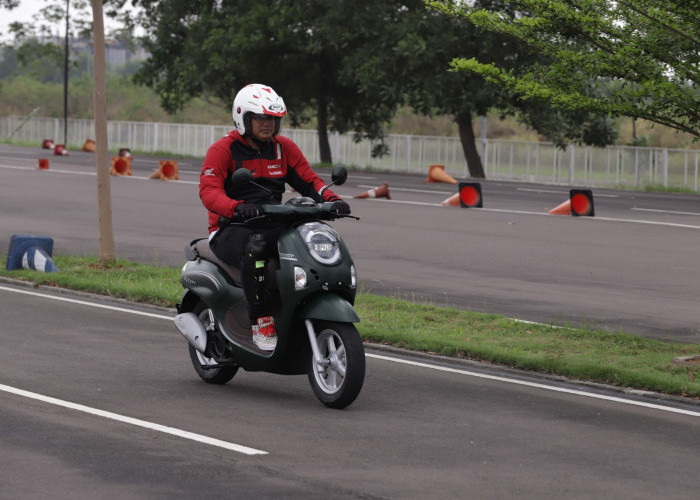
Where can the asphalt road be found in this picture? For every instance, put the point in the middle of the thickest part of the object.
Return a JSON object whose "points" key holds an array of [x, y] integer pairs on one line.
{"points": [[103, 403], [98, 399], [632, 267]]}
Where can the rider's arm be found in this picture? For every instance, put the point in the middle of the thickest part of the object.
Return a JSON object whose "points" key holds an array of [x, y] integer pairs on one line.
{"points": [[300, 175], [211, 182]]}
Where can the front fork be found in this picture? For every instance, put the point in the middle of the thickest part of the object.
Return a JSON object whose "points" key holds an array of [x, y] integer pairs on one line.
{"points": [[319, 361]]}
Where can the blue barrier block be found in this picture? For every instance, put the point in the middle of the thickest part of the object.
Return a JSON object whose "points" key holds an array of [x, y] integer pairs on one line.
{"points": [[30, 252]]}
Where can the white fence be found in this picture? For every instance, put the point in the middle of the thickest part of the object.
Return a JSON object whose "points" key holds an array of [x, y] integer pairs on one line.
{"points": [[507, 160]]}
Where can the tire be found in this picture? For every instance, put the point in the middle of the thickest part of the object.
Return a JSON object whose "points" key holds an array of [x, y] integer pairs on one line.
{"points": [[339, 383], [207, 368]]}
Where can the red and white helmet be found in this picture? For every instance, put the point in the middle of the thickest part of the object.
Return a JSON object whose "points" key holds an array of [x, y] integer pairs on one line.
{"points": [[257, 99]]}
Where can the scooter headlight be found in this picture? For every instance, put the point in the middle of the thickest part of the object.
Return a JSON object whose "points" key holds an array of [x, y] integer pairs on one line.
{"points": [[322, 242]]}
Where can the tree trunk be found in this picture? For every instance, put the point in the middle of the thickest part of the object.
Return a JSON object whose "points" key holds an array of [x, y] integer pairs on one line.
{"points": [[466, 136], [324, 145], [104, 196]]}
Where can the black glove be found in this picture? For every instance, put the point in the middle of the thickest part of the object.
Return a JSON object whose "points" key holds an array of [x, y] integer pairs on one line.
{"points": [[247, 210], [341, 207]]}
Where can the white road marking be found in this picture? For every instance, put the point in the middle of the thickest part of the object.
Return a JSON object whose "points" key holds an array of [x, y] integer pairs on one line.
{"points": [[415, 363], [85, 303], [537, 385], [134, 421], [525, 212], [664, 211], [418, 203], [597, 195], [93, 174]]}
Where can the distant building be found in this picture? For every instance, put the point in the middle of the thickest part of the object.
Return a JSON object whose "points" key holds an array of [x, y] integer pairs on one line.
{"points": [[116, 53]]}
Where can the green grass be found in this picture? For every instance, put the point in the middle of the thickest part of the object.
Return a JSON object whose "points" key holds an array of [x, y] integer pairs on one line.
{"points": [[592, 355]]}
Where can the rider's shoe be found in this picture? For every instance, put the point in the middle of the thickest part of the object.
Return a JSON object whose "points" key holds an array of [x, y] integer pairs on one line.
{"points": [[264, 334]]}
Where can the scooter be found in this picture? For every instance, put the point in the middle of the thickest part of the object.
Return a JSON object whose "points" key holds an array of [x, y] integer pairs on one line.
{"points": [[312, 287]]}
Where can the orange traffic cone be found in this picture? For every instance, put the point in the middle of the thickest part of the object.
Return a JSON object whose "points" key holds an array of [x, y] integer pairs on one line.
{"points": [[167, 171], [60, 150], [47, 144], [452, 201], [580, 203], [563, 209], [437, 174], [89, 146], [120, 165], [43, 164], [378, 192]]}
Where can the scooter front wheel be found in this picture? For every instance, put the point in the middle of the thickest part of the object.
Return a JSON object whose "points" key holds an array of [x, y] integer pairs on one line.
{"points": [[337, 379], [207, 368]]}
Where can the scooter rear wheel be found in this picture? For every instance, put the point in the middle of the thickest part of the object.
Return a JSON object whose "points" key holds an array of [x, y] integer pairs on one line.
{"points": [[207, 368], [338, 379]]}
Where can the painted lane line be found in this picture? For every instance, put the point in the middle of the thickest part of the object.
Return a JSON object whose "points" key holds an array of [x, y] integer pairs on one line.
{"points": [[134, 421], [415, 363], [525, 212], [535, 190], [93, 174], [664, 211], [408, 190], [537, 385], [86, 303]]}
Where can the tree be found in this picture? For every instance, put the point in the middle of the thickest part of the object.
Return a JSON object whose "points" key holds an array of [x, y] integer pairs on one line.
{"points": [[415, 62], [636, 58], [306, 49], [104, 196]]}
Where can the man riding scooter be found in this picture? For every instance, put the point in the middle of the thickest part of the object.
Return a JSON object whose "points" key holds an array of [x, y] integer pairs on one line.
{"points": [[273, 160]]}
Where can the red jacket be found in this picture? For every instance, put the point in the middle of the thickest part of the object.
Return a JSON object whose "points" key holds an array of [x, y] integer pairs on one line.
{"points": [[278, 162]]}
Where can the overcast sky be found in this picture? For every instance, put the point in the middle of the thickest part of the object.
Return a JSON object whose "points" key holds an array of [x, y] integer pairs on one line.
{"points": [[25, 13]]}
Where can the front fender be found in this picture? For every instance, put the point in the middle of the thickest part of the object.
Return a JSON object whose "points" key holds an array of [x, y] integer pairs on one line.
{"points": [[329, 307]]}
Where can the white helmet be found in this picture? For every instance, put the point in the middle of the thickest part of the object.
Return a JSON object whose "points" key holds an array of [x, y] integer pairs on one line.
{"points": [[257, 99]]}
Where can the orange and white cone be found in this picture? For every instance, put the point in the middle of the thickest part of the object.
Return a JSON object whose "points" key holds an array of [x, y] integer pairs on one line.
{"points": [[378, 192], [437, 173], [452, 201]]}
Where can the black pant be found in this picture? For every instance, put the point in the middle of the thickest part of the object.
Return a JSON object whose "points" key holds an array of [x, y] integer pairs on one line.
{"points": [[249, 247]]}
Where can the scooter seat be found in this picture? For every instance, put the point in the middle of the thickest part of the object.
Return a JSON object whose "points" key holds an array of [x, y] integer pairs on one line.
{"points": [[201, 247], [203, 251]]}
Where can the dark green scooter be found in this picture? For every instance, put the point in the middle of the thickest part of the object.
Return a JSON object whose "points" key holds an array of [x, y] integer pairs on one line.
{"points": [[312, 283]]}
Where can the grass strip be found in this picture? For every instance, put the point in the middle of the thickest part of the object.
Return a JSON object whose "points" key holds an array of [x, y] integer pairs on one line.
{"points": [[593, 355]]}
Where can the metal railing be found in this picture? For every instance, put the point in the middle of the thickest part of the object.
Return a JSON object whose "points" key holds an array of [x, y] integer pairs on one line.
{"points": [[613, 166]]}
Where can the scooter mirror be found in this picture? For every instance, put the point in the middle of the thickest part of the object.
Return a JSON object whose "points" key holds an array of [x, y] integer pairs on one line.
{"points": [[241, 176], [339, 175]]}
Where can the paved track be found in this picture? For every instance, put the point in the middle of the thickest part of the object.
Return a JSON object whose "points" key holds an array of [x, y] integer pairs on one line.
{"points": [[632, 267], [418, 430], [102, 402]]}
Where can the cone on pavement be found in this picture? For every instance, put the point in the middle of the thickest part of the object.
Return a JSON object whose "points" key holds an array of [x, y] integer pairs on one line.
{"points": [[436, 173], [121, 165], [377, 192], [582, 203], [452, 201], [167, 171], [579, 204], [89, 146], [468, 196], [47, 144], [563, 209], [60, 150], [43, 163]]}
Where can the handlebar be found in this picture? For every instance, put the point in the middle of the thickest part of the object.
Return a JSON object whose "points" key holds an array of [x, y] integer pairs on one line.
{"points": [[291, 213]]}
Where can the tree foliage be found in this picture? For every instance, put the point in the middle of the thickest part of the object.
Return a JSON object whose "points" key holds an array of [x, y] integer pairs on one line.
{"points": [[308, 50], [636, 58]]}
